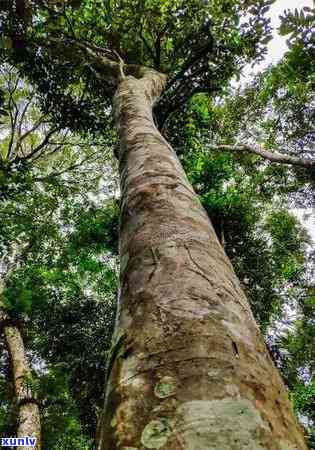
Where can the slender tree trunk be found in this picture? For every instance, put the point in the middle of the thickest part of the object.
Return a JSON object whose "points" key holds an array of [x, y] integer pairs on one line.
{"points": [[189, 368], [29, 416]]}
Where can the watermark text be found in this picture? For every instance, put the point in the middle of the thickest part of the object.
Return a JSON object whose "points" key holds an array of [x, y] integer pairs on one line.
{"points": [[18, 442]]}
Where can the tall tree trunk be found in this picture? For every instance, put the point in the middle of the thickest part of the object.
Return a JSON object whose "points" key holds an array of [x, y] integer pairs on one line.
{"points": [[189, 368], [29, 415]]}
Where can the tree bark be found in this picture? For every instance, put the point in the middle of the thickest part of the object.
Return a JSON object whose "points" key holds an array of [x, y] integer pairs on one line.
{"points": [[29, 415], [188, 368]]}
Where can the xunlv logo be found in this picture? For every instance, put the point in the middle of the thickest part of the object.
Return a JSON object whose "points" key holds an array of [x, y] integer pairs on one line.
{"points": [[19, 442]]}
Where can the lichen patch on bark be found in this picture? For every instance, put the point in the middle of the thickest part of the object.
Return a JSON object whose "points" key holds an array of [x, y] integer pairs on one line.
{"points": [[165, 387], [156, 433]]}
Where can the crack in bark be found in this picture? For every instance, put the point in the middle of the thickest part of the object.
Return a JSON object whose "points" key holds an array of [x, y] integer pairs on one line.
{"points": [[155, 263], [147, 175], [237, 355], [232, 294], [163, 365]]}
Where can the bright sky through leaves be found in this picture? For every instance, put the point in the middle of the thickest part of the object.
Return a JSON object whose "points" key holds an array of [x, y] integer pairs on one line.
{"points": [[276, 49]]}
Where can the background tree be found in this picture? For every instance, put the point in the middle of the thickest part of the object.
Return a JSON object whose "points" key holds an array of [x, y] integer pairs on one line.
{"points": [[62, 255]]}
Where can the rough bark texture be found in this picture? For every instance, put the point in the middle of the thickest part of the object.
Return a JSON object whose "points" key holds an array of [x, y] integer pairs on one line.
{"points": [[189, 369], [29, 415]]}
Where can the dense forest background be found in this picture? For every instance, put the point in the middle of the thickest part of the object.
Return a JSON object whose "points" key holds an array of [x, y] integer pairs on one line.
{"points": [[248, 150]]}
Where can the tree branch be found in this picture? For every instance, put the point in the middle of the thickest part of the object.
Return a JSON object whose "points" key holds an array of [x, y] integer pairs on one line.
{"points": [[36, 125], [27, 104], [275, 157], [67, 169], [104, 61], [13, 122], [106, 64], [146, 44], [13, 117], [39, 147]]}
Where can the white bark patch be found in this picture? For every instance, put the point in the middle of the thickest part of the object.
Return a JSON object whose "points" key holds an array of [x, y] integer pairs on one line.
{"points": [[124, 262], [182, 307], [239, 335], [129, 372], [156, 433], [221, 425]]}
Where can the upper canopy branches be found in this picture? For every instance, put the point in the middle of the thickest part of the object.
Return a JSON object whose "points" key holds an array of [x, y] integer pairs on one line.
{"points": [[198, 44]]}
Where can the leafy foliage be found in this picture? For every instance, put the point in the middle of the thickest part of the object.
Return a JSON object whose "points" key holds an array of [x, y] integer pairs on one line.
{"points": [[200, 45], [61, 292]]}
